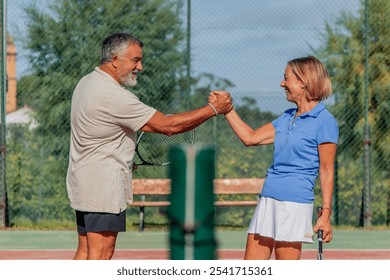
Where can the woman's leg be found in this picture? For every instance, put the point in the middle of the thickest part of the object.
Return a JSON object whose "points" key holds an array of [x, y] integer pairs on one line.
{"points": [[258, 247], [288, 250]]}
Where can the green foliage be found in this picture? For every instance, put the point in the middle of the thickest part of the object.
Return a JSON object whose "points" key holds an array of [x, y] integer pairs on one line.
{"points": [[34, 191], [344, 54], [64, 45]]}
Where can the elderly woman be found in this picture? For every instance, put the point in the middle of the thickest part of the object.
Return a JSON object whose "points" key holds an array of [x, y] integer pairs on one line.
{"points": [[305, 140]]}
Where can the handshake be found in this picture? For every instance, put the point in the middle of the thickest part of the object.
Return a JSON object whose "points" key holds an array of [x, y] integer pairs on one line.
{"points": [[220, 101]]}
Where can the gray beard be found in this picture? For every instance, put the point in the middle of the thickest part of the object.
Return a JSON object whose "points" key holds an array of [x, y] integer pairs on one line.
{"points": [[128, 80]]}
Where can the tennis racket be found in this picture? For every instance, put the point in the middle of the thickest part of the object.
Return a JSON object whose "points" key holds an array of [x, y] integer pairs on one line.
{"points": [[153, 148], [319, 238]]}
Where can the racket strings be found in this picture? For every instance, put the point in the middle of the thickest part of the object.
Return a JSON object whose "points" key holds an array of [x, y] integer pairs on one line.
{"points": [[153, 148]]}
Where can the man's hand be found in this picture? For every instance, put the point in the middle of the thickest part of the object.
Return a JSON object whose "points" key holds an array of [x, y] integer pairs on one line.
{"points": [[221, 100]]}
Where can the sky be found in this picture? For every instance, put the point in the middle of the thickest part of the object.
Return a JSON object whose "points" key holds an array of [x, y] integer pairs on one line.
{"points": [[250, 41], [247, 42], [250, 36]]}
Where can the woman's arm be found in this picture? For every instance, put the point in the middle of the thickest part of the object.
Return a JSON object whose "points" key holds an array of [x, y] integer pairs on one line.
{"points": [[261, 136], [327, 154]]}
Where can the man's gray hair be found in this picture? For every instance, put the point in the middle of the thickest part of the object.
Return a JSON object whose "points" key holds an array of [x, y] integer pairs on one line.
{"points": [[116, 44]]}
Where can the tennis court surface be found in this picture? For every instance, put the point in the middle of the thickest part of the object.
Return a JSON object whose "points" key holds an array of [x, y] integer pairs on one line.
{"points": [[154, 245]]}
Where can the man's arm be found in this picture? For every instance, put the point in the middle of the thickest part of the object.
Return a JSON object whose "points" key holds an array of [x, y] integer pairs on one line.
{"points": [[181, 122]]}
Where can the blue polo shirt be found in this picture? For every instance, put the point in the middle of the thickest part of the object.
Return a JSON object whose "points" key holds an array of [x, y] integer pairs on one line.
{"points": [[294, 170]]}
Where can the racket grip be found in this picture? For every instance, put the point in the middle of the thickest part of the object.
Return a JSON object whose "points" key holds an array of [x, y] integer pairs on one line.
{"points": [[320, 234], [319, 238]]}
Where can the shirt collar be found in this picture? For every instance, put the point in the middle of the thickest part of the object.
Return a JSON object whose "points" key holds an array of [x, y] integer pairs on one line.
{"points": [[313, 112], [105, 75]]}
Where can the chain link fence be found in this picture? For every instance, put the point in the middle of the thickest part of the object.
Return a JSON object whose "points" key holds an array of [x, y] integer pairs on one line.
{"points": [[192, 47]]}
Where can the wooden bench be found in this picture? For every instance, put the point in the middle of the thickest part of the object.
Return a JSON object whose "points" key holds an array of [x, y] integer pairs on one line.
{"points": [[162, 187]]}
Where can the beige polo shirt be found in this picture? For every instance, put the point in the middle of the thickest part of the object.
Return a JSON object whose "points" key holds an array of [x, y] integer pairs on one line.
{"points": [[104, 120]]}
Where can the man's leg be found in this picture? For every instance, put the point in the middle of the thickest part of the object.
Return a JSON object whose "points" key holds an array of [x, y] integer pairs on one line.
{"points": [[82, 249], [97, 233], [101, 245]]}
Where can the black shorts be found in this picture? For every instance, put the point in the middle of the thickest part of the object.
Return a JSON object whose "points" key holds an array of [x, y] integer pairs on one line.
{"points": [[98, 222]]}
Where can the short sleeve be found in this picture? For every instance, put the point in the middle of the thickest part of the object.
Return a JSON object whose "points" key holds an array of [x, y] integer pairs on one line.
{"points": [[129, 111], [328, 131]]}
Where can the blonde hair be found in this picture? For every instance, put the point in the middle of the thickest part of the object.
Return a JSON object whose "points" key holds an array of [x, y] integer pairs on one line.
{"points": [[313, 75]]}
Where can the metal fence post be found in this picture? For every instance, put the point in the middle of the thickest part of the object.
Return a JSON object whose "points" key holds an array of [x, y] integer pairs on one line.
{"points": [[3, 54], [367, 138]]}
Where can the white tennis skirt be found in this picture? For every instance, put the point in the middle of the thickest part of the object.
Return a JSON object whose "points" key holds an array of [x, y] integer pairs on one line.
{"points": [[283, 221]]}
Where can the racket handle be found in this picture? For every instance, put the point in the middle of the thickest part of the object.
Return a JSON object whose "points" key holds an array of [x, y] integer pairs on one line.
{"points": [[320, 235], [320, 232], [320, 251]]}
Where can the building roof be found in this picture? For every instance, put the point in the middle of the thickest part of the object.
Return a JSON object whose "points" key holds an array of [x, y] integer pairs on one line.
{"points": [[22, 116]]}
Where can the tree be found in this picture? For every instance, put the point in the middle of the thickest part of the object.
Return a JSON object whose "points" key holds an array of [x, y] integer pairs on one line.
{"points": [[344, 54], [64, 45]]}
